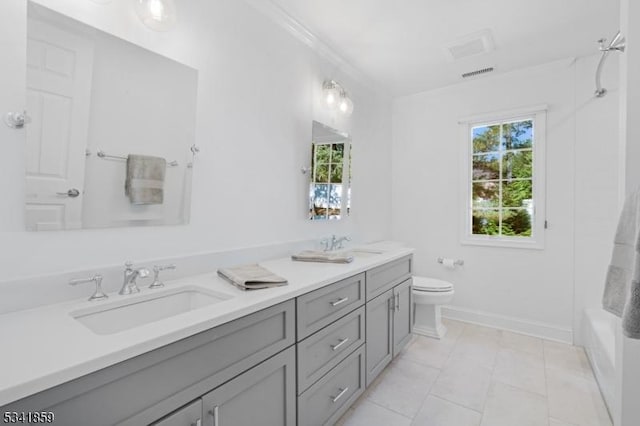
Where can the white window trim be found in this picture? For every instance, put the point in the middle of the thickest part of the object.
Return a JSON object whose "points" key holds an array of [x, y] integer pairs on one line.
{"points": [[346, 184], [537, 240]]}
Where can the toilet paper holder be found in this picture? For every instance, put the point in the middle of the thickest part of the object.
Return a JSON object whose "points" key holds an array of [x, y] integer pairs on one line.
{"points": [[457, 262]]}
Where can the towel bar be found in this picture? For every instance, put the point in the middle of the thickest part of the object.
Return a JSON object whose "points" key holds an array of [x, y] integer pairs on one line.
{"points": [[103, 154]]}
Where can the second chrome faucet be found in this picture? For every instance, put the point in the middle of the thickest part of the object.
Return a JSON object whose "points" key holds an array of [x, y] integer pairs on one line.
{"points": [[129, 285], [335, 243]]}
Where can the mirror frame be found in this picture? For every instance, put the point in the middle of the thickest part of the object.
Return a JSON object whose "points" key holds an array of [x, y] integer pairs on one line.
{"points": [[330, 136]]}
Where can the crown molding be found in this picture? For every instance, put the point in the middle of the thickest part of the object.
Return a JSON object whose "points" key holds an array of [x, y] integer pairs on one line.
{"points": [[294, 27]]}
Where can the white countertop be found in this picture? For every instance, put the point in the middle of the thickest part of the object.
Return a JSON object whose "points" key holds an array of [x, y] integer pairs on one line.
{"points": [[45, 346]]}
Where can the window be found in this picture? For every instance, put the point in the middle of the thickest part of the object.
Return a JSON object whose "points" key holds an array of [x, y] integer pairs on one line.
{"points": [[505, 181], [326, 189]]}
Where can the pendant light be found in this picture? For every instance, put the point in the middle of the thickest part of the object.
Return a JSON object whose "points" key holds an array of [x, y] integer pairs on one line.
{"points": [[158, 15], [335, 98]]}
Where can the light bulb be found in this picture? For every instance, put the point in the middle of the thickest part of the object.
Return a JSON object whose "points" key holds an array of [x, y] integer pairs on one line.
{"points": [[156, 10], [331, 92], [159, 15], [346, 105]]}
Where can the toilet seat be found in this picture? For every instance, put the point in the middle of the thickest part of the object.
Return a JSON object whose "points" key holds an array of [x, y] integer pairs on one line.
{"points": [[431, 285]]}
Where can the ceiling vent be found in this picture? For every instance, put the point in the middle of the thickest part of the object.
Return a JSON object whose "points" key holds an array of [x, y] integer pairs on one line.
{"points": [[477, 72], [470, 45]]}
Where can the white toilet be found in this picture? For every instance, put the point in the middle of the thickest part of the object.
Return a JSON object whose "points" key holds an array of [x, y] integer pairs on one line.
{"points": [[429, 294]]}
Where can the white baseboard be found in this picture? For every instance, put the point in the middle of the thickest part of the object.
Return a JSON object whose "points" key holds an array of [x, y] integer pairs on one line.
{"points": [[518, 325]]}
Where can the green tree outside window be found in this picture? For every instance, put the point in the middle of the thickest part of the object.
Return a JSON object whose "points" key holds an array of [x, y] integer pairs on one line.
{"points": [[502, 179]]}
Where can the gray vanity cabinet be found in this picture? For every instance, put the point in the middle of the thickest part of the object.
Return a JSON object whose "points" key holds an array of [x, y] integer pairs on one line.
{"points": [[389, 326], [330, 397], [331, 353], [389, 313], [318, 354], [385, 277], [264, 395], [146, 388], [379, 334], [319, 308], [402, 316], [300, 362], [191, 415]]}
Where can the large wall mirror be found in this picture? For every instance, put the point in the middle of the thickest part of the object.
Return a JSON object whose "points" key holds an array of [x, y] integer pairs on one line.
{"points": [[330, 174], [111, 137]]}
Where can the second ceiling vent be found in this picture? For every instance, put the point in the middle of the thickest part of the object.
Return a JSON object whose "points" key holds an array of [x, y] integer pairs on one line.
{"points": [[470, 45]]}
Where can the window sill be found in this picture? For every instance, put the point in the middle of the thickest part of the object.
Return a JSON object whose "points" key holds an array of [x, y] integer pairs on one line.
{"points": [[503, 243]]}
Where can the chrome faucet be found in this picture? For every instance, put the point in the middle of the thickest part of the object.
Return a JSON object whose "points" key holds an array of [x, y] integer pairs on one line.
{"points": [[98, 294], [156, 277], [336, 243], [129, 286]]}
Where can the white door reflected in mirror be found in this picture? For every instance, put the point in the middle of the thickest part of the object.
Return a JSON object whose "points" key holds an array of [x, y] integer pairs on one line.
{"points": [[59, 72]]}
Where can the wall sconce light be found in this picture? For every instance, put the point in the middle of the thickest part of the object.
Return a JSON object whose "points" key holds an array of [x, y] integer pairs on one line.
{"points": [[336, 98], [159, 15]]}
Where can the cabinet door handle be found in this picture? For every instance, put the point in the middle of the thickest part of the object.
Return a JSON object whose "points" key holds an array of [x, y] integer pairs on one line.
{"points": [[397, 302], [338, 396], [214, 414], [339, 302], [391, 303], [342, 342]]}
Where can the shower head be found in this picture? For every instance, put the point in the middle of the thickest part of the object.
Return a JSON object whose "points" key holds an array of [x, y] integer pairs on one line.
{"points": [[618, 43]]}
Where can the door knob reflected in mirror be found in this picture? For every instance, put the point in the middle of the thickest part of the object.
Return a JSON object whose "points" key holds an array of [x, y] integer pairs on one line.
{"points": [[17, 120], [72, 193]]}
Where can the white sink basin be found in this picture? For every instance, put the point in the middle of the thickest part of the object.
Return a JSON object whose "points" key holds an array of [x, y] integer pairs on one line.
{"points": [[125, 314]]}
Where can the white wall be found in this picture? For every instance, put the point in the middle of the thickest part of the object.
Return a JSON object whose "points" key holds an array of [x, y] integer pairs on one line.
{"points": [[259, 91], [596, 183], [627, 410], [526, 290]]}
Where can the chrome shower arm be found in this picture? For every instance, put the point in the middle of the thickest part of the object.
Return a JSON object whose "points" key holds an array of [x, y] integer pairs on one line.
{"points": [[618, 45]]}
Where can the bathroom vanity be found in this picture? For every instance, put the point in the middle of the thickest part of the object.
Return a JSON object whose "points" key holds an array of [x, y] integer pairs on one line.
{"points": [[300, 354]]}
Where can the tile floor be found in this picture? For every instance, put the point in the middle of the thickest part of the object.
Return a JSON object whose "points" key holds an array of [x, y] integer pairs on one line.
{"points": [[479, 376]]}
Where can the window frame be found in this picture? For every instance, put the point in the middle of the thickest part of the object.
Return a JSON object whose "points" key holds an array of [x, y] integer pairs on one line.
{"points": [[345, 196], [537, 240]]}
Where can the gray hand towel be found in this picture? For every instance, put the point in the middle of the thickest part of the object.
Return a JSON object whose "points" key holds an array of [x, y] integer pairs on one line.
{"points": [[322, 257], [144, 183], [251, 277], [622, 286]]}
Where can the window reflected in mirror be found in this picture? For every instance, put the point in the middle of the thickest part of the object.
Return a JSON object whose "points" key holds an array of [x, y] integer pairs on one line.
{"points": [[330, 174]]}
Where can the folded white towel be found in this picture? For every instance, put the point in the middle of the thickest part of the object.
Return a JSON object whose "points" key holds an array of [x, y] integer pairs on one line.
{"points": [[322, 257], [622, 287], [251, 277]]}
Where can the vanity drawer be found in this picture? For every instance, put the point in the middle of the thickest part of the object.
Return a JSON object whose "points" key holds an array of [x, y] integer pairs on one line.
{"points": [[321, 307], [387, 276], [321, 352], [145, 388], [331, 397], [188, 416]]}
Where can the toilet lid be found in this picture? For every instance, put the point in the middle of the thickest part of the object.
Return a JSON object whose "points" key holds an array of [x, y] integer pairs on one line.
{"points": [[431, 284]]}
